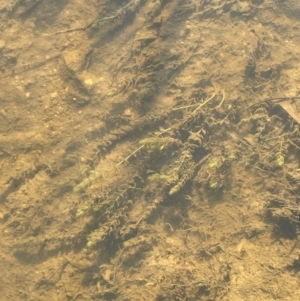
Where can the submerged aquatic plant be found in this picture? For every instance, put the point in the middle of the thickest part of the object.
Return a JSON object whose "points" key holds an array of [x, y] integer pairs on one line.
{"points": [[87, 182]]}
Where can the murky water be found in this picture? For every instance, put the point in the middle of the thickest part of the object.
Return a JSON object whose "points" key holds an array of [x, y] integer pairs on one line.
{"points": [[149, 150]]}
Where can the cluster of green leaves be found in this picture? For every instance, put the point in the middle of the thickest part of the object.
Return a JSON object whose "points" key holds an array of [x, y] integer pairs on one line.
{"points": [[87, 182]]}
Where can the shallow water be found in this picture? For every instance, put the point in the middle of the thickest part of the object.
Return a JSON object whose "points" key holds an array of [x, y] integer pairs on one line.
{"points": [[149, 150]]}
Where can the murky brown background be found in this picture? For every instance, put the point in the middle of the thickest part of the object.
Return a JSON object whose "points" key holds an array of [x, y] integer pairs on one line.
{"points": [[149, 150]]}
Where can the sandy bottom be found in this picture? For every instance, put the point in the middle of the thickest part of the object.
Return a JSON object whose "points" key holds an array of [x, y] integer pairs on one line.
{"points": [[149, 150]]}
